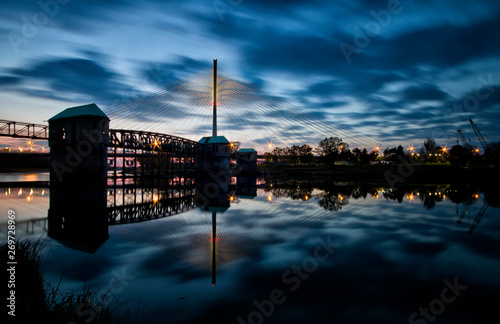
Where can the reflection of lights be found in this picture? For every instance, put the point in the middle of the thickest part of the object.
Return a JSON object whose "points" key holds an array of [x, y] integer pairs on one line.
{"points": [[444, 197], [20, 191], [269, 198], [43, 192], [31, 191], [29, 198]]}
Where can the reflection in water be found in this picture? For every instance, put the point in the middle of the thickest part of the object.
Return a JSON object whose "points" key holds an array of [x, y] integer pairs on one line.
{"points": [[391, 242], [332, 196]]}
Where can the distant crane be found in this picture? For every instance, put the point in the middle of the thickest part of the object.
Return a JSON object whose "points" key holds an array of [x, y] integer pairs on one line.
{"points": [[478, 134], [462, 137]]}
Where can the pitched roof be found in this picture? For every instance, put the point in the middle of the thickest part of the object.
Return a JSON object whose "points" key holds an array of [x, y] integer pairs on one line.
{"points": [[214, 140], [80, 111], [246, 150]]}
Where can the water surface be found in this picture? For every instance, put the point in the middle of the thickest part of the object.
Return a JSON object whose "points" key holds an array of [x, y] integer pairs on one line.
{"points": [[329, 253]]}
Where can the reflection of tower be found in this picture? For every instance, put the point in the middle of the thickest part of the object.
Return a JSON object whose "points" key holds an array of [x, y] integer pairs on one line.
{"points": [[212, 195], [214, 247], [78, 140]]}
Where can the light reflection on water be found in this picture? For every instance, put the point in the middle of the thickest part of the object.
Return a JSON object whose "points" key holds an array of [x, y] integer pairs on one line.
{"points": [[393, 249]]}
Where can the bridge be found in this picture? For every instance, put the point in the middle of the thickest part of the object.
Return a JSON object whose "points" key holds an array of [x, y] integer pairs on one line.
{"points": [[23, 130]]}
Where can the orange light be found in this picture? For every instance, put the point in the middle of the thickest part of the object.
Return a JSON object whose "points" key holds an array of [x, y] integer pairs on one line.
{"points": [[476, 196], [306, 197], [269, 198]]}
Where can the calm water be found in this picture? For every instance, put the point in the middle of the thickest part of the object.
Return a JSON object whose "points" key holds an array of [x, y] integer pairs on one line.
{"points": [[296, 253]]}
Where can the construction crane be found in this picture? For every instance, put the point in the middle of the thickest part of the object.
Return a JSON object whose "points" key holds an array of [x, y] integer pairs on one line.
{"points": [[478, 134], [462, 137]]}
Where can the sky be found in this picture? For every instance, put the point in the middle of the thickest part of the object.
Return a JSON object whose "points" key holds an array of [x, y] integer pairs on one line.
{"points": [[382, 72]]}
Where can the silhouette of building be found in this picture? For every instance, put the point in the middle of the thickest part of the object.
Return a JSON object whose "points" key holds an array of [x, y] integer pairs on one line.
{"points": [[78, 140]]}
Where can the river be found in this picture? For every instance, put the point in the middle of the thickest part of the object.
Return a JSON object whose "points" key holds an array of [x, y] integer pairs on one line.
{"points": [[294, 252]]}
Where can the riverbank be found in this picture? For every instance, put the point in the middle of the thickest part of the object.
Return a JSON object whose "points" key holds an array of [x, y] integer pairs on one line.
{"points": [[36, 300], [386, 174], [14, 162]]}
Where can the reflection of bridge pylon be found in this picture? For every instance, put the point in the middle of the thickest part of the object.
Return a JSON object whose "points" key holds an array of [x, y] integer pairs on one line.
{"points": [[214, 247]]}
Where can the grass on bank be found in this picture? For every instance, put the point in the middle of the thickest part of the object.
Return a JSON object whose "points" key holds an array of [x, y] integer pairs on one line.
{"points": [[38, 301]]}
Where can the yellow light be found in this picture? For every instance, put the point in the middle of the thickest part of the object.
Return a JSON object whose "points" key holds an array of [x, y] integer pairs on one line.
{"points": [[231, 198], [269, 198], [20, 192], [31, 191], [476, 196], [43, 192], [306, 197], [155, 198]]}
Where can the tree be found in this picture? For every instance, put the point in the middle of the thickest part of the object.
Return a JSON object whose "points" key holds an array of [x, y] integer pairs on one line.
{"points": [[305, 153], [293, 153], [366, 157], [278, 154], [356, 152], [430, 145], [330, 147], [460, 156]]}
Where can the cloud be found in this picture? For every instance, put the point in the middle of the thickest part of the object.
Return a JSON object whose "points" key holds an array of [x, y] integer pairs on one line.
{"points": [[424, 92], [71, 79]]}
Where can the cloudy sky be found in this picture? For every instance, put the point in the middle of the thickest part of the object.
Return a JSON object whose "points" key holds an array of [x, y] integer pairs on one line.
{"points": [[393, 72]]}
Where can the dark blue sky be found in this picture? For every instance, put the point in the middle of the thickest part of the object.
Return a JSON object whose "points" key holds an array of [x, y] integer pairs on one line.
{"points": [[395, 71]]}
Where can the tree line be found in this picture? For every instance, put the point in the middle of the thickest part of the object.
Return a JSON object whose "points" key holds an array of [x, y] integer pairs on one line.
{"points": [[332, 150]]}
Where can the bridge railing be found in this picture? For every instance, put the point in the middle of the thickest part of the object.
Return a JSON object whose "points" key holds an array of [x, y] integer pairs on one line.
{"points": [[147, 141], [23, 130]]}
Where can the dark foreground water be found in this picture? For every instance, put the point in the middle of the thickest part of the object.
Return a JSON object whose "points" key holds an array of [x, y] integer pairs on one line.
{"points": [[297, 253]]}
